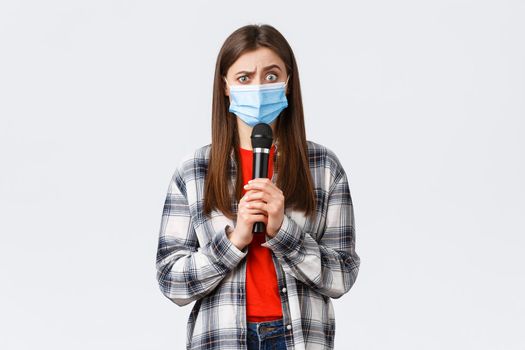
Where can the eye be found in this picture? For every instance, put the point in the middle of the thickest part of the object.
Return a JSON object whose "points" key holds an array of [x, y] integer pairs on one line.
{"points": [[242, 80], [272, 75]]}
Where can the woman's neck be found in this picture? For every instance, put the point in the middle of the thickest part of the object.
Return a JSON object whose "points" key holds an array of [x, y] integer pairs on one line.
{"points": [[245, 133]]}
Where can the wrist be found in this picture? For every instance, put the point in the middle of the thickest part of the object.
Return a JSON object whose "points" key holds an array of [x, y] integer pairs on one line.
{"points": [[229, 233], [273, 233]]}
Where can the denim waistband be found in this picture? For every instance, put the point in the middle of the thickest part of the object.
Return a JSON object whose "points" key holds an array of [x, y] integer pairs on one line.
{"points": [[266, 329]]}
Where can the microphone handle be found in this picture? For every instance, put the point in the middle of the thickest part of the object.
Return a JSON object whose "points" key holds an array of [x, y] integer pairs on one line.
{"points": [[260, 169]]}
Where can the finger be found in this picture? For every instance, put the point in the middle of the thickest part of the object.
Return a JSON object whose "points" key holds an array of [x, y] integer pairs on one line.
{"points": [[271, 205], [263, 185], [260, 180], [247, 200], [257, 205], [258, 196], [257, 218], [259, 211], [247, 195], [250, 193], [258, 183], [249, 208]]}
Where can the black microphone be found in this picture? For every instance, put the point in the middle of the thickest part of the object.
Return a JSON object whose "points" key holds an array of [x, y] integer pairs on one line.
{"points": [[262, 137]]}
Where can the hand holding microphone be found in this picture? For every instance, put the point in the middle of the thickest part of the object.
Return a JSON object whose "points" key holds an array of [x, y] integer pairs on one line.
{"points": [[261, 209], [247, 216], [263, 202], [262, 193]]}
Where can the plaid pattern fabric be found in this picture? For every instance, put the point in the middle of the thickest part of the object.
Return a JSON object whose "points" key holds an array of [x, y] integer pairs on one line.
{"points": [[314, 258]]}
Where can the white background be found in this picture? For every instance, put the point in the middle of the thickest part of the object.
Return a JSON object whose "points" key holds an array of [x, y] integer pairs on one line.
{"points": [[422, 101]]}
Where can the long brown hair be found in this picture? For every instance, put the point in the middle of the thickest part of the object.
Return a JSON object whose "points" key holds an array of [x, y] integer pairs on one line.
{"points": [[290, 136]]}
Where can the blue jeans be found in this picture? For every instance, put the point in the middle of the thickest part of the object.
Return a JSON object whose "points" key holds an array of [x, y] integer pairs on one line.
{"points": [[268, 335]]}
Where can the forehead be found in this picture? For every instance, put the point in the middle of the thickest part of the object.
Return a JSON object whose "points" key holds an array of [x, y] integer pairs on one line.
{"points": [[256, 59]]}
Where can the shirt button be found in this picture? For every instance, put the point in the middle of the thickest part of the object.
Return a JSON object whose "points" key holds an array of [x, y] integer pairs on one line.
{"points": [[284, 290], [289, 326]]}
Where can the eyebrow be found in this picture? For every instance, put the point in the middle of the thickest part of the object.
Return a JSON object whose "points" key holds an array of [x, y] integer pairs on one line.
{"points": [[265, 68]]}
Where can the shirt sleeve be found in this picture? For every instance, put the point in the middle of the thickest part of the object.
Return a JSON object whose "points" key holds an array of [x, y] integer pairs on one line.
{"points": [[186, 271], [330, 265]]}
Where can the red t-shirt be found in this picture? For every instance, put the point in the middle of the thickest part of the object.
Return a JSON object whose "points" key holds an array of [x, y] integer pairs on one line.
{"points": [[263, 301]]}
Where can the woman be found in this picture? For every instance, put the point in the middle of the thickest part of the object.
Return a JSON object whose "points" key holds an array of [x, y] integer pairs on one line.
{"points": [[258, 290]]}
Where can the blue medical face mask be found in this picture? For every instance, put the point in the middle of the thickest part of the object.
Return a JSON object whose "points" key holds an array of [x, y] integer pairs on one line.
{"points": [[258, 103]]}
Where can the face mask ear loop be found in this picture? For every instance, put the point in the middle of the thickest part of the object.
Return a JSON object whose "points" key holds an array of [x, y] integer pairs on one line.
{"points": [[226, 81], [287, 81]]}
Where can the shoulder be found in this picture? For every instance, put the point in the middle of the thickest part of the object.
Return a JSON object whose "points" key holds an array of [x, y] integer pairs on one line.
{"points": [[193, 163], [320, 156]]}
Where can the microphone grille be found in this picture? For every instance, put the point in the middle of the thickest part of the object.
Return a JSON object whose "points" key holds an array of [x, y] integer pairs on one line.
{"points": [[262, 136]]}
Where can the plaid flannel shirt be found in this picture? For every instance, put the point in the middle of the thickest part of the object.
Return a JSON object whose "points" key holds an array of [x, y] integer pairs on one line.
{"points": [[314, 258]]}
